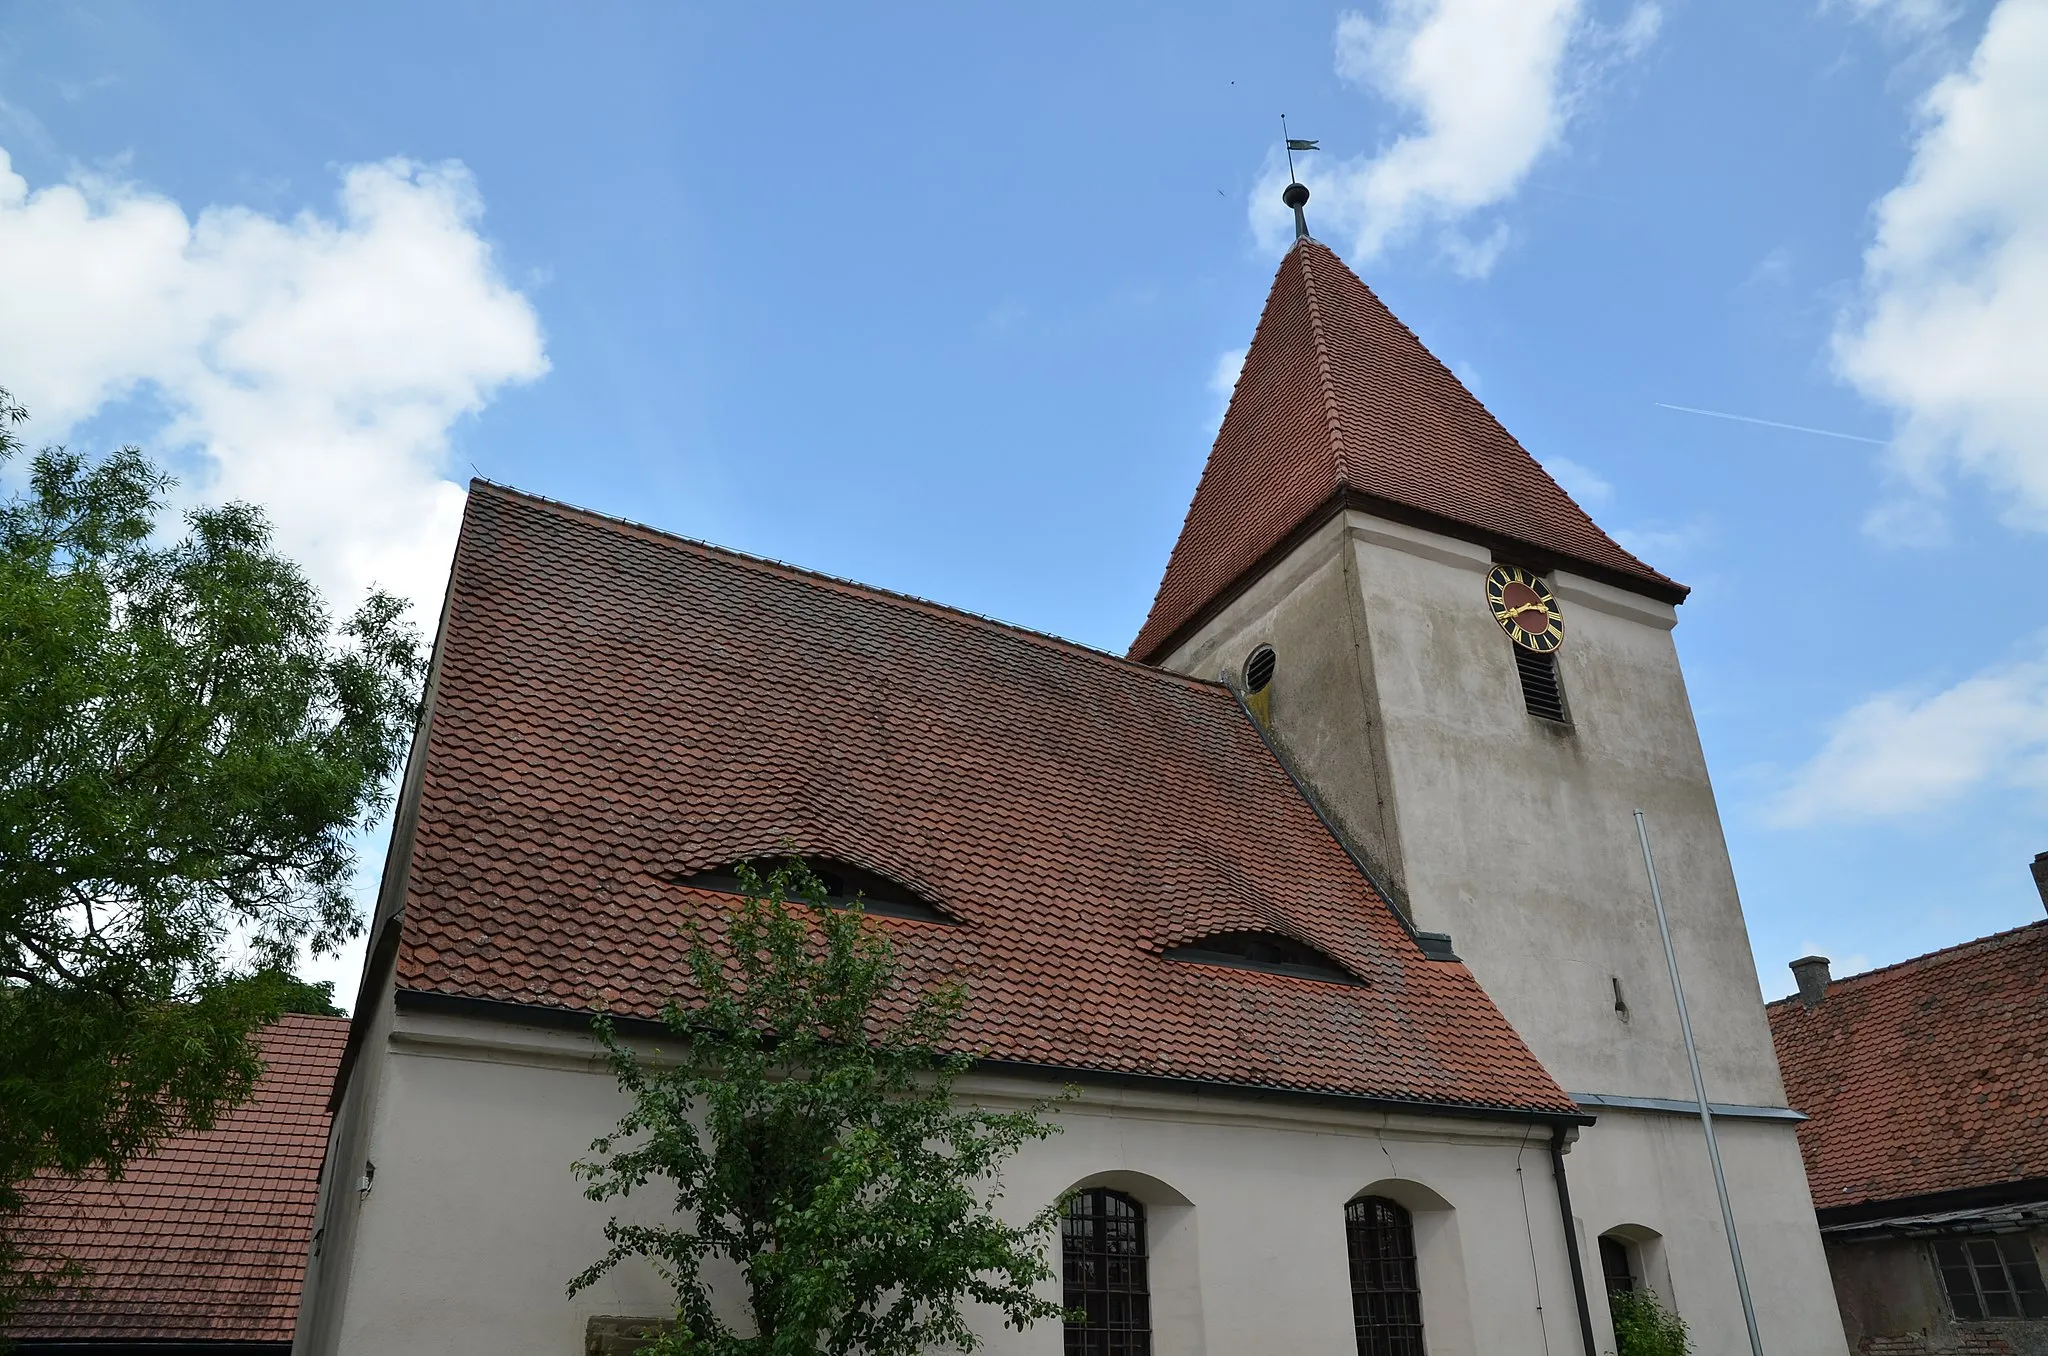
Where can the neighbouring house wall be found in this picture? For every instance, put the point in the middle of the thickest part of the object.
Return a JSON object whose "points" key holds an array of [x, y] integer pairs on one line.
{"points": [[475, 1224], [1892, 1304], [1517, 836]]}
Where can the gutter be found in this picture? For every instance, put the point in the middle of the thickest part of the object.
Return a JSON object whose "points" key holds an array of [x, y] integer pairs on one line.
{"points": [[1676, 1107], [1571, 1237], [155, 1346], [573, 1019]]}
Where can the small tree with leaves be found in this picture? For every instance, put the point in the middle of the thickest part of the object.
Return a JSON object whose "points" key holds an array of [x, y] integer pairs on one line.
{"points": [[1643, 1327], [186, 749], [804, 1120]]}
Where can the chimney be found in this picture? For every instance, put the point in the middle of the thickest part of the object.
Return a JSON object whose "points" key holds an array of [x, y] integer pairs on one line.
{"points": [[2041, 876], [1812, 974]]}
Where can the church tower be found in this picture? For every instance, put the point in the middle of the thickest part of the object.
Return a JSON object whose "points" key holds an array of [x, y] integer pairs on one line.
{"points": [[1480, 687]]}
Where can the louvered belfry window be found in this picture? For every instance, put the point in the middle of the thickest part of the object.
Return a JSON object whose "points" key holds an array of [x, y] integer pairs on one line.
{"points": [[1541, 691], [1103, 1271], [1386, 1300]]}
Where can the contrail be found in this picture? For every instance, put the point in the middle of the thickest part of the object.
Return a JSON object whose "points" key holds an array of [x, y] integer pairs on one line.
{"points": [[1772, 423]]}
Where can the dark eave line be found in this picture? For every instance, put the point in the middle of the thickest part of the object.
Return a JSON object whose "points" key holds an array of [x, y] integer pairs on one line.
{"points": [[1504, 548], [573, 1019]]}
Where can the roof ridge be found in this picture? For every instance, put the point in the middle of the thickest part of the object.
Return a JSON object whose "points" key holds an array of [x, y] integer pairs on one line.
{"points": [[802, 574], [1927, 959], [1331, 418]]}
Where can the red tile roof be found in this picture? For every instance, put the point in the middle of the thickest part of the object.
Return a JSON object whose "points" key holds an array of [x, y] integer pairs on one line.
{"points": [[1926, 1076], [1339, 401], [207, 1239], [616, 709]]}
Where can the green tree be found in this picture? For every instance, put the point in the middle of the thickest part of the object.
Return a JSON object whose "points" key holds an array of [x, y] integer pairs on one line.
{"points": [[314, 1000], [186, 749], [807, 1126], [1643, 1327]]}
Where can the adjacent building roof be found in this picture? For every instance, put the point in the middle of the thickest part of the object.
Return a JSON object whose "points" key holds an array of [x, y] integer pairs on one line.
{"points": [[1339, 402], [617, 710], [206, 1240], [1924, 1077]]}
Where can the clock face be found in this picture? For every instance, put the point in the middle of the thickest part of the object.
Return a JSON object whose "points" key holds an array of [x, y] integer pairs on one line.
{"points": [[1523, 605]]}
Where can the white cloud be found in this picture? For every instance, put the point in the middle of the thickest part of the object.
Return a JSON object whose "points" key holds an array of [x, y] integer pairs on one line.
{"points": [[1223, 380], [1486, 88], [1951, 331], [1582, 483], [313, 366], [1901, 754]]}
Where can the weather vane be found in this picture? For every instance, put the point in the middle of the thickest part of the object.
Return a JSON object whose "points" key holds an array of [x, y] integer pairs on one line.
{"points": [[1295, 195]]}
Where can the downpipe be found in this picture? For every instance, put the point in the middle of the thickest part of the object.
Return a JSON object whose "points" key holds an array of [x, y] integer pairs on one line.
{"points": [[1571, 1237]]}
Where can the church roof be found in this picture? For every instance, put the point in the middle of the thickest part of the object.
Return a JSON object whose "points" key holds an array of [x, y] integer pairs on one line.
{"points": [[204, 1241], [1338, 402], [1923, 1077], [616, 710]]}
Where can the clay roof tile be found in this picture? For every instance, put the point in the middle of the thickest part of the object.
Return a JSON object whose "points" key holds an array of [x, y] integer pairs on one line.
{"points": [[206, 1240], [1925, 1076], [1339, 402], [1077, 812]]}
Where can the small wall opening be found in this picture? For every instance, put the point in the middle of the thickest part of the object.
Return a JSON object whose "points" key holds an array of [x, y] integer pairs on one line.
{"points": [[1632, 1259], [1259, 668]]}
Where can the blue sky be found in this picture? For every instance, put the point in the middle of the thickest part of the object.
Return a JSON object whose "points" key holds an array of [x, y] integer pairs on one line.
{"points": [[946, 298]]}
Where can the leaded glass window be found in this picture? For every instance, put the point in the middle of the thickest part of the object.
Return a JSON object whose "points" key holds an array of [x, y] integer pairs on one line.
{"points": [[1386, 1299], [1103, 1275]]}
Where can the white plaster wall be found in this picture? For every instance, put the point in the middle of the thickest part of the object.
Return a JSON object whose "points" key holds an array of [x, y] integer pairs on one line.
{"points": [[339, 1208], [475, 1224], [1518, 838], [1651, 1171]]}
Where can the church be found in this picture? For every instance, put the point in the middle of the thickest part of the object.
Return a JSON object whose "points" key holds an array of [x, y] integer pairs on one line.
{"points": [[1328, 897]]}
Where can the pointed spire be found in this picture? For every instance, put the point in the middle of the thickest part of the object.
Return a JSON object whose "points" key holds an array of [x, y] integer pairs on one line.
{"points": [[1338, 404]]}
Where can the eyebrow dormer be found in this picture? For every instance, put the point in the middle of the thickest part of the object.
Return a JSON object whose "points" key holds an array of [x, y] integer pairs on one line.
{"points": [[845, 885], [1268, 951]]}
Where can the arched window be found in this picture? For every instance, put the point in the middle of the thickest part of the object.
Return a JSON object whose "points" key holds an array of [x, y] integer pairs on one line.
{"points": [[1386, 1301], [1618, 1265], [1102, 1270]]}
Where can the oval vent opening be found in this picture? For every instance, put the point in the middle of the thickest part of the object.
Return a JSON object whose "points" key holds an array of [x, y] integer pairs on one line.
{"points": [[1267, 951], [844, 885], [1258, 670]]}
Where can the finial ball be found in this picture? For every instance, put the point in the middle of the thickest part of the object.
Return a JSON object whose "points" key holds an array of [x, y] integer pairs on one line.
{"points": [[1294, 195]]}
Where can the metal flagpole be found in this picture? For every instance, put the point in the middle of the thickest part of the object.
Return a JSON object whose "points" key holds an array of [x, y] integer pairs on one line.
{"points": [[1699, 1091]]}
